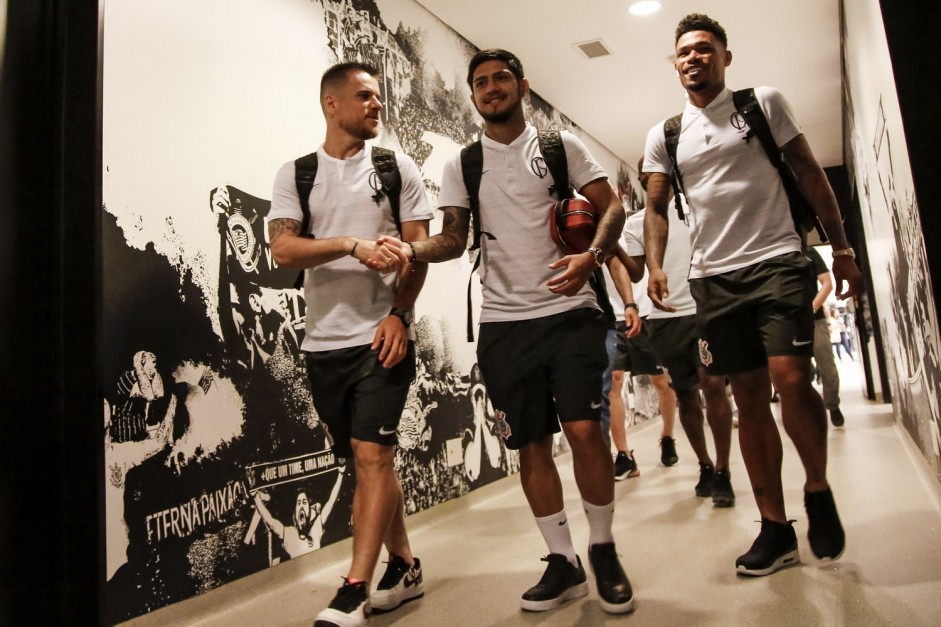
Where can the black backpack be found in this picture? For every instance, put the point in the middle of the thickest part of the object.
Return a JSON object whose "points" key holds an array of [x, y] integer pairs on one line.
{"points": [[383, 160], [553, 152], [803, 214]]}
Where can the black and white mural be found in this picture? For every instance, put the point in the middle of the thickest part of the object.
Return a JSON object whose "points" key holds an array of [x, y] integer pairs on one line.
{"points": [[894, 235], [216, 461]]}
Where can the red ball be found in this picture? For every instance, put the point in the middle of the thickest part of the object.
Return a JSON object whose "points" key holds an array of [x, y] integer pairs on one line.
{"points": [[572, 225]]}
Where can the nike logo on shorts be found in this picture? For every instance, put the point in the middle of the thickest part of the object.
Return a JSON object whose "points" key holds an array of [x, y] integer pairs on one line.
{"points": [[796, 343], [382, 431], [596, 405]]}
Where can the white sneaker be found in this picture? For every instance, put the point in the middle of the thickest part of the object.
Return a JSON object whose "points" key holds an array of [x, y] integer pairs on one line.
{"points": [[400, 583]]}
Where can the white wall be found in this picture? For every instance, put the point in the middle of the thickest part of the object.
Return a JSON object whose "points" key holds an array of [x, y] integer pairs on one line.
{"points": [[896, 243]]}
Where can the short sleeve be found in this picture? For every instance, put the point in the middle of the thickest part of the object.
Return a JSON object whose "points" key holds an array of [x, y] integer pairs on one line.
{"points": [[777, 110], [633, 235], [656, 159]]}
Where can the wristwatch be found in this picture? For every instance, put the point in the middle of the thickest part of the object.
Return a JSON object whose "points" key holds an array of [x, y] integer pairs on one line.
{"points": [[631, 306], [846, 252], [404, 314], [599, 255]]}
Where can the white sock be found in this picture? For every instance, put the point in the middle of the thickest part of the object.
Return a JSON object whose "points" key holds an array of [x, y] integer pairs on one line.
{"points": [[600, 518], [555, 531]]}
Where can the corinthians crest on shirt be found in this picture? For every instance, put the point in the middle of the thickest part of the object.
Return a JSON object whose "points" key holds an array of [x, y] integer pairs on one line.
{"points": [[704, 355]]}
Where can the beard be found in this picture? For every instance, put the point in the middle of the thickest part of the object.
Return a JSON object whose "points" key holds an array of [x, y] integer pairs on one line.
{"points": [[498, 117], [360, 131]]}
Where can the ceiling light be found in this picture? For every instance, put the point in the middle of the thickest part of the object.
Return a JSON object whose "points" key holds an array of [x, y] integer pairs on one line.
{"points": [[644, 8]]}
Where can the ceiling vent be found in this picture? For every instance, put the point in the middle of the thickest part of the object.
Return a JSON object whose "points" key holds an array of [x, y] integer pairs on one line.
{"points": [[594, 49]]}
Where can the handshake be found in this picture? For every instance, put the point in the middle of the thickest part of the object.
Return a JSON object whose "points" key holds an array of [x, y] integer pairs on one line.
{"points": [[385, 254]]}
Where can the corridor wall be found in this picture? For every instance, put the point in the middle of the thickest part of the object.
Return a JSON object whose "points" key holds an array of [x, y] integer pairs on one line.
{"points": [[877, 158]]}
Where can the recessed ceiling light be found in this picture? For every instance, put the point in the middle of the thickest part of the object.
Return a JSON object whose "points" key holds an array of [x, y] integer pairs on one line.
{"points": [[644, 8]]}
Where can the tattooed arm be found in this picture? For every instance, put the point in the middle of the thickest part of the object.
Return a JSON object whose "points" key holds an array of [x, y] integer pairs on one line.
{"points": [[446, 245], [290, 250]]}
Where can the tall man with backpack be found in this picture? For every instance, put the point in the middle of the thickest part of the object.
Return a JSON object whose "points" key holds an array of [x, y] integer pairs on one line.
{"points": [[327, 211], [752, 284], [541, 346]]}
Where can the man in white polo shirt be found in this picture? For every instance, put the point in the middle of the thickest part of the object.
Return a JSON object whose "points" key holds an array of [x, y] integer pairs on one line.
{"points": [[360, 353], [541, 346], [675, 342], [752, 284]]}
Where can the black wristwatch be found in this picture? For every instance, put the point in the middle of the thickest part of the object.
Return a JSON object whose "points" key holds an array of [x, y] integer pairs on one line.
{"points": [[405, 315]]}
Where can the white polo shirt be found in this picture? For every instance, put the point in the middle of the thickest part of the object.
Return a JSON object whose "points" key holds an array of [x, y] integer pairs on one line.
{"points": [[514, 207], [346, 301], [675, 261], [739, 209]]}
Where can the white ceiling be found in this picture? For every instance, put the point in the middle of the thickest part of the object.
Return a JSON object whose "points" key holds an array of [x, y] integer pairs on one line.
{"points": [[793, 46]]}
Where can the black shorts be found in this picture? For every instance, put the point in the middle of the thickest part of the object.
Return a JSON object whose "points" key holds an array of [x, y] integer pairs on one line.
{"points": [[676, 344], [642, 358], [356, 397], [543, 370], [622, 358], [747, 315]]}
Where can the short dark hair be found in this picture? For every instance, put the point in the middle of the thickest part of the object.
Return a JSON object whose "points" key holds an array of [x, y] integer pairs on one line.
{"points": [[699, 21], [337, 73], [495, 54]]}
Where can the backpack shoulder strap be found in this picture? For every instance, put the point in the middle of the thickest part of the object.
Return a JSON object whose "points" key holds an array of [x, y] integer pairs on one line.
{"points": [[553, 151], [747, 105], [383, 160], [805, 218], [472, 169], [671, 136], [305, 171]]}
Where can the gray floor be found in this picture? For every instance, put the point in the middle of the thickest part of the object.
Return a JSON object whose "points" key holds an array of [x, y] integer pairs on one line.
{"points": [[480, 552]]}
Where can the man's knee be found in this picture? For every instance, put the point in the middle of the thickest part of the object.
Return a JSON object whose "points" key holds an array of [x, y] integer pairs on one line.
{"points": [[372, 457]]}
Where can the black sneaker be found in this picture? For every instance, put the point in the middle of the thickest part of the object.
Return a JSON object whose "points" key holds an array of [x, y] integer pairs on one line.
{"points": [[722, 493], [827, 539], [836, 417], [774, 548], [559, 583], [668, 451], [400, 583], [625, 466], [349, 608], [615, 591], [707, 474]]}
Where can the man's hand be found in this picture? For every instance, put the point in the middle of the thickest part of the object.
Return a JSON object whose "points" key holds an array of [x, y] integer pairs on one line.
{"points": [[391, 340], [632, 321], [658, 291], [844, 269], [220, 201], [394, 247], [577, 270], [376, 257]]}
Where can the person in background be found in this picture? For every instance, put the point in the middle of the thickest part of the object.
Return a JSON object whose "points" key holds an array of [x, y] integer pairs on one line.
{"points": [[823, 355]]}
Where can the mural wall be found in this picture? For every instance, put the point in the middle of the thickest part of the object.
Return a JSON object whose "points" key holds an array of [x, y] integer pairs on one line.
{"points": [[216, 462], [878, 160]]}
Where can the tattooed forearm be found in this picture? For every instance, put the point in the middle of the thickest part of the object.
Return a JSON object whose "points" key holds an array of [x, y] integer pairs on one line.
{"points": [[280, 225], [450, 243]]}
